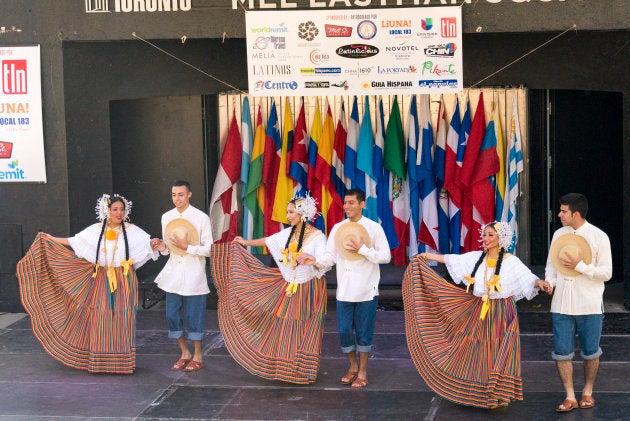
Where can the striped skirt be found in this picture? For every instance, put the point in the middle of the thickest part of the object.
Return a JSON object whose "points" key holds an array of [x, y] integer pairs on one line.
{"points": [[73, 315], [269, 334], [460, 357]]}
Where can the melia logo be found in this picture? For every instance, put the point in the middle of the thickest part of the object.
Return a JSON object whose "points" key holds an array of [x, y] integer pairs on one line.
{"points": [[14, 173]]}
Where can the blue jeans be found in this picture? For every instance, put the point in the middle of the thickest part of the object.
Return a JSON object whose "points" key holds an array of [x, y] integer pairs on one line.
{"points": [[589, 330], [194, 308], [355, 324]]}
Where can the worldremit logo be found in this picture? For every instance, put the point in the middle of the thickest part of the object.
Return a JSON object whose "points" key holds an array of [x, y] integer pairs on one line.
{"points": [[13, 173], [5, 149], [333, 31], [14, 77]]}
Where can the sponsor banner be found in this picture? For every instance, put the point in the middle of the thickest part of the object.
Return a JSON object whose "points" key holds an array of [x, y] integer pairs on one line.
{"points": [[21, 128], [358, 52]]}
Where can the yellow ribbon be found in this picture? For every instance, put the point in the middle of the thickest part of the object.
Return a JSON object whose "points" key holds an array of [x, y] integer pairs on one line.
{"points": [[95, 270], [285, 256], [111, 278], [125, 264], [493, 284], [291, 289], [471, 281], [484, 307]]}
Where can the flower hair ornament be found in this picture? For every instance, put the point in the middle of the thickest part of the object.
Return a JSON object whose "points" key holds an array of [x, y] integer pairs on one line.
{"points": [[102, 207], [306, 206], [504, 232]]}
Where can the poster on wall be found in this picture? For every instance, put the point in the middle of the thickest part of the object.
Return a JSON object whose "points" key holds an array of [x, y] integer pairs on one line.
{"points": [[354, 52], [21, 128]]}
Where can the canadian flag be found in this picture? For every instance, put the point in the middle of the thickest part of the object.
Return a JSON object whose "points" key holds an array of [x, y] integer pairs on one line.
{"points": [[224, 201]]}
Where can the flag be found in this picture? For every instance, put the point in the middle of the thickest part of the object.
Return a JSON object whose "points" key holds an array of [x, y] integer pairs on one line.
{"points": [[365, 162], [452, 187], [439, 160], [339, 180], [247, 140], [515, 167], [480, 163], [224, 201], [354, 174], [413, 172], [384, 207], [500, 183], [271, 165], [323, 168], [284, 184], [427, 189], [394, 161], [297, 154], [255, 191], [464, 134], [312, 182]]}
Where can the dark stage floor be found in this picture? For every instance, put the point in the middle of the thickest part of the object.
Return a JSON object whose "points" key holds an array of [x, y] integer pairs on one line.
{"points": [[36, 387]]}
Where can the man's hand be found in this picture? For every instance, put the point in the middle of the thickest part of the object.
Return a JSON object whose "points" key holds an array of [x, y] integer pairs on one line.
{"points": [[569, 261], [181, 242]]}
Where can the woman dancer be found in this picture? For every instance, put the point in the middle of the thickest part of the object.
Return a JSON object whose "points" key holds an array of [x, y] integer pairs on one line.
{"points": [[82, 300], [272, 320], [466, 347]]}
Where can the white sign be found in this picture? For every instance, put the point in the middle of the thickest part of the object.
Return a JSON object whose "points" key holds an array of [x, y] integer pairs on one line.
{"points": [[21, 129], [355, 52]]}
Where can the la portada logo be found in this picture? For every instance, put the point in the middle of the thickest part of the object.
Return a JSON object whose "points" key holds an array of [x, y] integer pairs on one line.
{"points": [[126, 6]]}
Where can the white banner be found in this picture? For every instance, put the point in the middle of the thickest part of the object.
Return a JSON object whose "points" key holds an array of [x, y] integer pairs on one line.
{"points": [[355, 52], [21, 129]]}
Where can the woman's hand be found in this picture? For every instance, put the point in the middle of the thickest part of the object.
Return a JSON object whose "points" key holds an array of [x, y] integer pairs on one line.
{"points": [[306, 259], [240, 240], [544, 286]]}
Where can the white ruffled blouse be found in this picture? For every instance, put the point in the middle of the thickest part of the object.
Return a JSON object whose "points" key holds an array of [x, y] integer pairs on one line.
{"points": [[516, 279]]}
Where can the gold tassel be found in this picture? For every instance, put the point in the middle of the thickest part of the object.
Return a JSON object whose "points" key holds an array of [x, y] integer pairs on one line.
{"points": [[291, 289]]}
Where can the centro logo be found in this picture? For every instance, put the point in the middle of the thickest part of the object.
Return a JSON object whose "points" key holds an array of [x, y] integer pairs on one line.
{"points": [[14, 77], [100, 6], [269, 85], [13, 173]]}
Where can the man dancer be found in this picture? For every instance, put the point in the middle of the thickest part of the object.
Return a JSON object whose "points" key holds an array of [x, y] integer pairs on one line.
{"points": [[577, 304], [357, 285], [183, 278]]}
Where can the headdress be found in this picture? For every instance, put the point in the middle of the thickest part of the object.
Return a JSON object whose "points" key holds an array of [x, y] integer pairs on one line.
{"points": [[306, 206], [102, 207], [504, 231]]}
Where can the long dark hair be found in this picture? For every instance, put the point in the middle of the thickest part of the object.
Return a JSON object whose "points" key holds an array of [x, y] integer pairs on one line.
{"points": [[113, 200]]}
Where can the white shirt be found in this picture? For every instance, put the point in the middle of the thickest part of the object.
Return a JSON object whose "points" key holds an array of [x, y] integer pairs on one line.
{"points": [[186, 275], [357, 280], [515, 278], [582, 294], [315, 245], [84, 245]]}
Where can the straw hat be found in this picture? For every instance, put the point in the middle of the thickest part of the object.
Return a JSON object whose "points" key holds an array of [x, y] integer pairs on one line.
{"points": [[351, 231], [178, 228], [570, 244]]}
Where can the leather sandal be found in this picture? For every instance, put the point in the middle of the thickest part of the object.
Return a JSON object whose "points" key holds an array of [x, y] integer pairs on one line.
{"points": [[359, 383], [193, 366], [181, 363], [567, 405], [587, 402], [349, 377]]}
